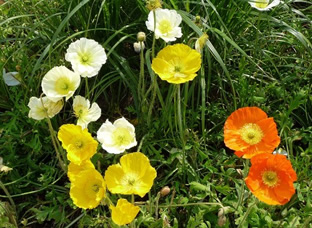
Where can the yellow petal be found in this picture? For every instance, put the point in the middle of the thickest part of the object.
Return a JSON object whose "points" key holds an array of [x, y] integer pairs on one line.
{"points": [[124, 212]]}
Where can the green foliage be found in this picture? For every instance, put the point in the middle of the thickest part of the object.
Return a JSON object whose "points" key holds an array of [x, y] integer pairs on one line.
{"points": [[252, 58]]}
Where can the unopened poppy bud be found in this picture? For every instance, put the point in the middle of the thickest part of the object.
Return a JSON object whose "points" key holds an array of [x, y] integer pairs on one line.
{"points": [[137, 46], [197, 19], [141, 36], [18, 67], [164, 191], [153, 4]]}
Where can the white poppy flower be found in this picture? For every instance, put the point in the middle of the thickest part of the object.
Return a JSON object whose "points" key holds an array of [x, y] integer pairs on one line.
{"points": [[117, 137], [60, 82], [264, 5], [167, 24], [47, 110], [86, 56], [84, 113]]}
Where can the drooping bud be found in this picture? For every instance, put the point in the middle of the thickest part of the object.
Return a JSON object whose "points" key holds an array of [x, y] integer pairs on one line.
{"points": [[137, 46], [153, 4]]}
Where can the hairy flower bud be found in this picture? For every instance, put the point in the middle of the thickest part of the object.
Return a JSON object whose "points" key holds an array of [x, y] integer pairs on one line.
{"points": [[141, 36], [164, 191], [153, 4]]}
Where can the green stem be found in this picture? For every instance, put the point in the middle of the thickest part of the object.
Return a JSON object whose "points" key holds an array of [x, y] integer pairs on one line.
{"points": [[181, 129], [87, 88], [182, 205], [156, 205], [141, 86], [11, 201], [150, 110], [154, 37], [132, 225], [62, 163], [246, 215], [203, 100]]}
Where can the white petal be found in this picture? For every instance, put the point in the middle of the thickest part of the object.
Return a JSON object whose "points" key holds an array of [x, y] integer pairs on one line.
{"points": [[10, 78], [94, 112]]}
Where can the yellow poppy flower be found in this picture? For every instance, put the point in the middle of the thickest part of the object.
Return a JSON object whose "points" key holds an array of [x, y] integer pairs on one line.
{"points": [[124, 212], [78, 143], [74, 170], [177, 63], [87, 189], [134, 175]]}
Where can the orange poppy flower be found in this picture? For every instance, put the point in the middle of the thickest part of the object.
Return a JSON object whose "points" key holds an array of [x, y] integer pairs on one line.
{"points": [[249, 131], [271, 178]]}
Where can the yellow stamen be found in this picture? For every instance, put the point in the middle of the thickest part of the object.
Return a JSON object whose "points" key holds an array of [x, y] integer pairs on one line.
{"points": [[165, 26], [122, 136], [270, 178], [251, 133], [261, 3], [63, 85], [95, 188]]}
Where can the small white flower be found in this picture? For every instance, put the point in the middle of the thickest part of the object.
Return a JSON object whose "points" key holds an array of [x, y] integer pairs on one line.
{"points": [[84, 113], [47, 110], [137, 46], [117, 137], [264, 5], [86, 56], [167, 24], [60, 82]]}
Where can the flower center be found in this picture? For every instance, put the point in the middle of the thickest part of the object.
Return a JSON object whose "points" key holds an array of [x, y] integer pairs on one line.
{"points": [[165, 26], [131, 180], [79, 111], [122, 136], [261, 3], [251, 133], [177, 69], [79, 144], [84, 58], [63, 85], [270, 178], [95, 188]]}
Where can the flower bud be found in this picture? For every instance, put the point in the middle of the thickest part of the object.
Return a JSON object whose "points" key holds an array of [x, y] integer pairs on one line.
{"points": [[197, 19], [164, 191], [18, 67], [153, 4], [137, 46], [141, 36]]}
